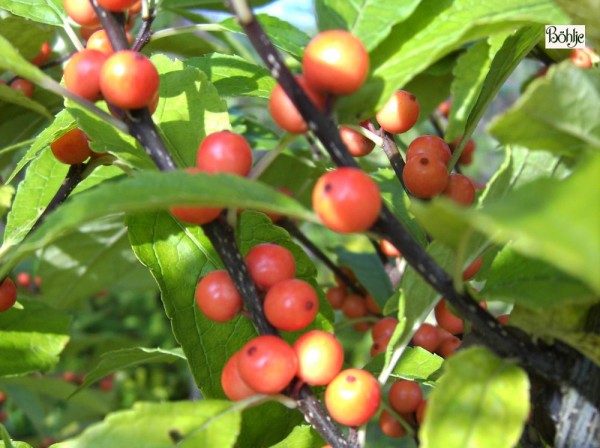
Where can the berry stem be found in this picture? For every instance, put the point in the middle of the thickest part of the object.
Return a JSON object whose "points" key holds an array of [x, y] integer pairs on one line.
{"points": [[393, 154]]}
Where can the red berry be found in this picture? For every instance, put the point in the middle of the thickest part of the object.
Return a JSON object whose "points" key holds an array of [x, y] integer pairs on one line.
{"points": [[116, 5], [420, 412], [429, 145], [335, 61], [447, 320], [425, 176], [384, 328], [379, 346], [405, 396], [8, 294], [106, 383], [129, 80], [99, 41], [71, 148], [358, 145], [2, 397], [270, 264], [86, 32], [232, 383], [400, 113], [320, 357], [390, 425], [217, 296], [224, 152], [389, 249], [582, 57], [472, 270], [466, 157], [195, 215], [353, 397], [354, 306], [347, 200], [43, 55], [444, 108], [82, 73], [136, 7], [285, 113], [82, 12], [448, 347], [336, 296], [291, 305], [24, 86], [372, 306], [24, 279], [267, 364], [460, 189], [503, 319], [427, 337]]}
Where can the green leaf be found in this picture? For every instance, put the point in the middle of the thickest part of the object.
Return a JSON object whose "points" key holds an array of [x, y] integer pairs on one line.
{"points": [[532, 283], [267, 424], [13, 61], [44, 11], [207, 4], [581, 13], [177, 258], [566, 323], [435, 29], [201, 423], [95, 257], [234, 76], [303, 436], [545, 118], [370, 273], [430, 99], [283, 35], [259, 137], [42, 180], [17, 97], [129, 357], [369, 20], [184, 45], [186, 96], [480, 400], [25, 36], [34, 326], [6, 196], [415, 364]]}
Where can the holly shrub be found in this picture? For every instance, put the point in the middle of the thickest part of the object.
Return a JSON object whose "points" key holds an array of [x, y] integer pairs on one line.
{"points": [[221, 228]]}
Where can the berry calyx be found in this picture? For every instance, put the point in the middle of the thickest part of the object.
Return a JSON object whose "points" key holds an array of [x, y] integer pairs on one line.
{"points": [[425, 176], [82, 73], [129, 80], [217, 296], [405, 396], [8, 294], [430, 145], [232, 383], [195, 215], [291, 305], [224, 152], [267, 364], [347, 200], [335, 61], [285, 113], [270, 264], [71, 148], [358, 145], [400, 113], [320, 357], [460, 189], [353, 397]]}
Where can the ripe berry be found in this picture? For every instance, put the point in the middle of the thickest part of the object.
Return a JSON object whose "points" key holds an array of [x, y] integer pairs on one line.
{"points": [[372, 306], [503, 319], [347, 200], [116, 5], [335, 61], [460, 189], [82, 73], [71, 148], [2, 397], [420, 412], [267, 364], [444, 108], [129, 80], [336, 296], [430, 145], [384, 328], [291, 305], [466, 156], [472, 270], [285, 113], [81, 12], [400, 113], [8, 294], [425, 176], [582, 57], [270, 264], [379, 346], [427, 337], [195, 215], [224, 152], [43, 55], [24, 279], [232, 383], [390, 426], [448, 347], [389, 249], [24, 86], [354, 306], [99, 41], [405, 396], [217, 296], [447, 320], [358, 145], [320, 357], [353, 397]]}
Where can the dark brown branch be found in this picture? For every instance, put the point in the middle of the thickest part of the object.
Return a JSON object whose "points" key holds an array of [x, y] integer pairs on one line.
{"points": [[113, 25], [145, 33], [393, 154]]}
